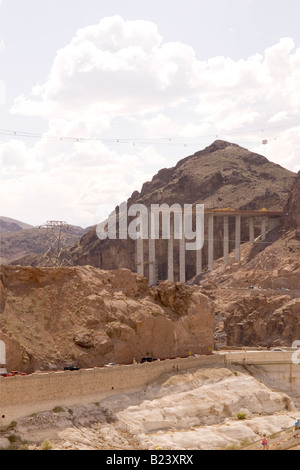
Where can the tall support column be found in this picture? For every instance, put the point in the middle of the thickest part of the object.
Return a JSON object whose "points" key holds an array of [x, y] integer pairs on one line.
{"points": [[152, 270], [226, 239], [171, 252], [251, 229], [140, 256], [198, 262], [182, 259], [182, 253], [263, 228], [210, 242], [238, 238], [151, 247]]}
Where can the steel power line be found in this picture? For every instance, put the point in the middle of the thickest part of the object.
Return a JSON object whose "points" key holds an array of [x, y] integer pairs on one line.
{"points": [[55, 247]]}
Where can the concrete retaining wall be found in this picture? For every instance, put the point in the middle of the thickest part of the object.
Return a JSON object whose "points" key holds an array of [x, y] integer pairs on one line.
{"points": [[23, 395], [278, 365]]}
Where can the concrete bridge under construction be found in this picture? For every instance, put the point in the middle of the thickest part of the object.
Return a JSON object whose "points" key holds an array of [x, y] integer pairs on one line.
{"points": [[267, 220]]}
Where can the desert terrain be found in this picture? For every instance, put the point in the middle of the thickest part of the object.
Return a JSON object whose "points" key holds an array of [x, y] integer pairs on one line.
{"points": [[100, 311]]}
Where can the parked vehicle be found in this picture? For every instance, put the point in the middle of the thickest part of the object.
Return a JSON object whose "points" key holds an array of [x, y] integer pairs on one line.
{"points": [[148, 359], [12, 373]]}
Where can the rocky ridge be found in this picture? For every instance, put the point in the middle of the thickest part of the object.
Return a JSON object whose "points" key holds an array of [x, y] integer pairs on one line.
{"points": [[9, 225], [83, 316], [24, 245]]}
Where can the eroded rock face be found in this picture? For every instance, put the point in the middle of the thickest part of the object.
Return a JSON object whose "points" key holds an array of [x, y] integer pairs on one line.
{"points": [[275, 322], [292, 208], [86, 317]]}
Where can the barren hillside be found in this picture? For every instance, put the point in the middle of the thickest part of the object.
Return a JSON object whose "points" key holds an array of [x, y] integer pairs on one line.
{"points": [[8, 225], [25, 245]]}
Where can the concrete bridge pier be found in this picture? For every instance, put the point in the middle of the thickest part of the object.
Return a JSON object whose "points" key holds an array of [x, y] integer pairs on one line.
{"points": [[182, 259], [152, 269], [251, 229], [198, 262], [268, 220], [264, 228], [151, 247], [226, 239], [140, 256], [171, 254], [210, 242], [237, 238]]}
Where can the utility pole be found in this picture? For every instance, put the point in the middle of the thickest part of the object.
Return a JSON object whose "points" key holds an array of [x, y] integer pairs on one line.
{"points": [[55, 249]]}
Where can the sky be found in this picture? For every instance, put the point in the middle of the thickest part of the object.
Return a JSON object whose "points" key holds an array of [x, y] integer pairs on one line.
{"points": [[97, 96]]}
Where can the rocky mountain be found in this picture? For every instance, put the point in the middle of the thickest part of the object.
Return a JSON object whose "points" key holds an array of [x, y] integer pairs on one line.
{"points": [[220, 176], [83, 316], [8, 225]]}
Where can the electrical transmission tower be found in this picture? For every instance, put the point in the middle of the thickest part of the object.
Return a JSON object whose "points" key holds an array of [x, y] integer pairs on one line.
{"points": [[55, 249]]}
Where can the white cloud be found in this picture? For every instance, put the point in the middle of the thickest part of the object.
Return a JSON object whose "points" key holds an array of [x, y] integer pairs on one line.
{"points": [[119, 79], [115, 67], [2, 83], [71, 184], [16, 159], [2, 92], [279, 117]]}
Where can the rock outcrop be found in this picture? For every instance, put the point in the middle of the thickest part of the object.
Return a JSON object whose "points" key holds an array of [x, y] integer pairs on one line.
{"points": [[291, 216], [83, 316], [263, 321]]}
